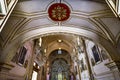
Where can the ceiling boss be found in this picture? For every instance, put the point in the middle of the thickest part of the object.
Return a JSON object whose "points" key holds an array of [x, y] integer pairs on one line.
{"points": [[59, 12]]}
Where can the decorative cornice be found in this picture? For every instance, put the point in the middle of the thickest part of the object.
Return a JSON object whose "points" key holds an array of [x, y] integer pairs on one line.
{"points": [[113, 65], [24, 14], [5, 66]]}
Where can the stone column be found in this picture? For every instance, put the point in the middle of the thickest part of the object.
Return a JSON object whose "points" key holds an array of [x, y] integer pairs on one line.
{"points": [[30, 68], [91, 77], [79, 71]]}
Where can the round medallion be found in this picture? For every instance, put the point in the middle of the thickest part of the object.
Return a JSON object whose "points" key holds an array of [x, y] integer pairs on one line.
{"points": [[59, 12]]}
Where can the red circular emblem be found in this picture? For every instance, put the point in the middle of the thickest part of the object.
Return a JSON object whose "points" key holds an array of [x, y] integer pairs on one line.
{"points": [[59, 12]]}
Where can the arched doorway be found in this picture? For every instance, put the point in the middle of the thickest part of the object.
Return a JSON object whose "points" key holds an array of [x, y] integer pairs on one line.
{"points": [[59, 65], [59, 70]]}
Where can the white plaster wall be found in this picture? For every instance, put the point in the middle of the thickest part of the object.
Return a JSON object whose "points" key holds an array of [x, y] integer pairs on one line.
{"points": [[100, 71], [18, 69]]}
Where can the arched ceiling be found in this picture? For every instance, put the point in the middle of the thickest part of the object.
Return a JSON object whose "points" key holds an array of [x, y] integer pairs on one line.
{"points": [[90, 15], [51, 43]]}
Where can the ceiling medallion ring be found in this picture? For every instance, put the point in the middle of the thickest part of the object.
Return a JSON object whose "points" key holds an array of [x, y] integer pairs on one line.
{"points": [[59, 12]]}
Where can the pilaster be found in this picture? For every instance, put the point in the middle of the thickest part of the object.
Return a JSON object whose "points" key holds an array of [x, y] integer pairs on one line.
{"points": [[79, 70], [91, 77]]}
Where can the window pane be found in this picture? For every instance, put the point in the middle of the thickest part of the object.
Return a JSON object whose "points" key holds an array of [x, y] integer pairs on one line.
{"points": [[22, 55], [95, 53]]}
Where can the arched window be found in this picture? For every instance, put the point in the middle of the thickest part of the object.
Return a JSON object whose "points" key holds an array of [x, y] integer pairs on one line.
{"points": [[96, 53], [19, 57], [22, 54]]}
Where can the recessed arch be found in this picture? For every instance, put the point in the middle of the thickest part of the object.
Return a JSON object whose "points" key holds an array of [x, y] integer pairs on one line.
{"points": [[63, 30], [54, 53]]}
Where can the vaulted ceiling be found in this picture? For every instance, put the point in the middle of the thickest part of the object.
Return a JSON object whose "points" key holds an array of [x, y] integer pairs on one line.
{"points": [[91, 15]]}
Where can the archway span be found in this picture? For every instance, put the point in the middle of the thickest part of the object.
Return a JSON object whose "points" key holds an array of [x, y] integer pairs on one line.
{"points": [[65, 48], [59, 64], [54, 55], [62, 30]]}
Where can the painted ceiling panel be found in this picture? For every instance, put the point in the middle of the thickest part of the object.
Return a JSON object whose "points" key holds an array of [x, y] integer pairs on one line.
{"points": [[87, 6], [80, 22], [77, 19], [36, 23], [32, 6], [10, 26], [42, 5], [113, 24]]}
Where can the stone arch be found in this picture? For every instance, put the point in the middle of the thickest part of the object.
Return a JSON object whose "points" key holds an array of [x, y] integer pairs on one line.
{"points": [[59, 30]]}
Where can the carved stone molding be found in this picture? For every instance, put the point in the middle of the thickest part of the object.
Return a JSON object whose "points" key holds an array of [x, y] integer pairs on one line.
{"points": [[113, 65], [115, 69], [5, 67]]}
